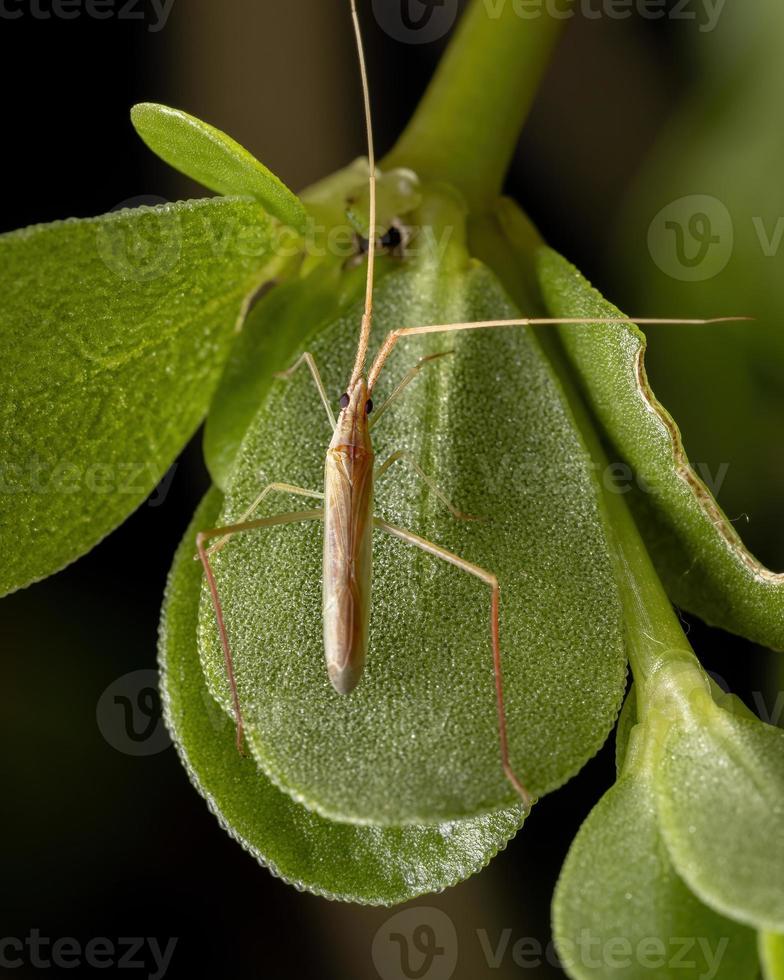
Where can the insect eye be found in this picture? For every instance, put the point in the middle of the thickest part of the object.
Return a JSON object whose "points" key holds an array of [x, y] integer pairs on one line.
{"points": [[344, 400], [392, 239], [369, 406]]}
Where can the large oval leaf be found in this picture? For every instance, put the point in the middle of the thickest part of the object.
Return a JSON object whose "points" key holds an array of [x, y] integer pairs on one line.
{"points": [[215, 160], [359, 864], [698, 552], [620, 910], [417, 741], [113, 334]]}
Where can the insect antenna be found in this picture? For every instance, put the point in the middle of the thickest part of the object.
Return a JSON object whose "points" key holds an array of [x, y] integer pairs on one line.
{"points": [[367, 316]]}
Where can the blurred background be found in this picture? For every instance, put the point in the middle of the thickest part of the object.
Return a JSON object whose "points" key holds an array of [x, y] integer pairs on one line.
{"points": [[641, 126]]}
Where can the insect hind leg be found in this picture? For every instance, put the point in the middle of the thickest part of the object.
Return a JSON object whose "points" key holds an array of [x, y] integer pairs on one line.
{"points": [[489, 579], [203, 556]]}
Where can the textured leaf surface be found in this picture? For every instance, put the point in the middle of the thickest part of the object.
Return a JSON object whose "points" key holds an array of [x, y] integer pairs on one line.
{"points": [[720, 788], [271, 339], [703, 562], [379, 866], [215, 160], [620, 909], [114, 331], [417, 740]]}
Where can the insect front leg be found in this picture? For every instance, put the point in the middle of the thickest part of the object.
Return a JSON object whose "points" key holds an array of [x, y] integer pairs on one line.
{"points": [[270, 488], [307, 358], [401, 454], [405, 382], [225, 532], [488, 578]]}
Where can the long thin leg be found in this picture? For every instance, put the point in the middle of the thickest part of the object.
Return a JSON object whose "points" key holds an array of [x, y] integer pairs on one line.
{"points": [[433, 549], [270, 488], [230, 529], [404, 383], [394, 335], [307, 358], [401, 454]]}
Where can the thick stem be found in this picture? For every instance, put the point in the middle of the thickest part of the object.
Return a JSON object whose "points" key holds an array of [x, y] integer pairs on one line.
{"points": [[469, 120]]}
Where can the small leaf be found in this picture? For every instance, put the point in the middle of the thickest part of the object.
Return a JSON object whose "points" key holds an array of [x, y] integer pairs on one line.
{"points": [[703, 561], [418, 739], [215, 160], [360, 864], [720, 792], [620, 910], [771, 953], [113, 334]]}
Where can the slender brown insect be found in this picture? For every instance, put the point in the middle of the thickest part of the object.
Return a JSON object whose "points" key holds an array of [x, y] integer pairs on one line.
{"points": [[347, 509]]}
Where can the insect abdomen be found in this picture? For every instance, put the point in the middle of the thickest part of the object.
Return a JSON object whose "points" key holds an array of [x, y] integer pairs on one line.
{"points": [[348, 526]]}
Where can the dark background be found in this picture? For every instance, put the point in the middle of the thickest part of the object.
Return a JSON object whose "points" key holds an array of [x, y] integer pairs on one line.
{"points": [[96, 842]]}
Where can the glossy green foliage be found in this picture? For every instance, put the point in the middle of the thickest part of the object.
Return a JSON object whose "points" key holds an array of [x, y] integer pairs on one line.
{"points": [[371, 865], [113, 334], [215, 160]]}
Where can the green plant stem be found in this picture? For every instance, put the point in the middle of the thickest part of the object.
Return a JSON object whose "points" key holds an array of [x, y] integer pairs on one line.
{"points": [[467, 125]]}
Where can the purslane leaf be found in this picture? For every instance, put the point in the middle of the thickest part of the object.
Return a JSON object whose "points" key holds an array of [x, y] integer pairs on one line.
{"points": [[360, 864], [620, 910], [771, 954], [417, 740], [703, 562], [720, 791], [215, 160], [271, 338], [113, 334]]}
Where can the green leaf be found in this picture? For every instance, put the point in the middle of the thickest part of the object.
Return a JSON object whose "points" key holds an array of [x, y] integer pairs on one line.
{"points": [[113, 334], [720, 790], [771, 953], [359, 864], [214, 159], [620, 910], [704, 564], [417, 741], [272, 336]]}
